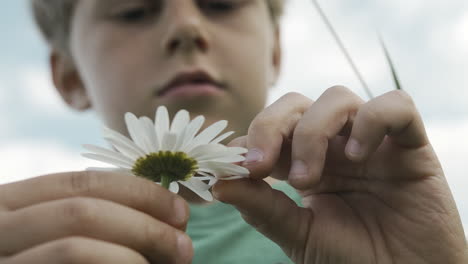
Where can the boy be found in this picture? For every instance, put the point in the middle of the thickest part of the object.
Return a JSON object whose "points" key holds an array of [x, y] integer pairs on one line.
{"points": [[370, 183]]}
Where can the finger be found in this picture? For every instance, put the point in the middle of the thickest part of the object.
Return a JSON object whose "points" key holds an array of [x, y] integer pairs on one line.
{"points": [[77, 250], [272, 213], [269, 130], [393, 114], [281, 168], [325, 119], [93, 218], [134, 192]]}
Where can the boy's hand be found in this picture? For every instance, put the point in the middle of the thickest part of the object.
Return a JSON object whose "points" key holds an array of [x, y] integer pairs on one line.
{"points": [[92, 217], [372, 187]]}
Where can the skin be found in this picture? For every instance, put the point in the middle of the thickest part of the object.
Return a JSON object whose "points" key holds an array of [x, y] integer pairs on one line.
{"points": [[121, 49], [383, 200], [388, 203]]}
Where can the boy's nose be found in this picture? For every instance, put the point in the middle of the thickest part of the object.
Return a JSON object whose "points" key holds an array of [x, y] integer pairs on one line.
{"points": [[185, 32]]}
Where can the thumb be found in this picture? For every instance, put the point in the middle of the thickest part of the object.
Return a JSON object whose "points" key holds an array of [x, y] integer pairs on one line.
{"points": [[269, 211]]}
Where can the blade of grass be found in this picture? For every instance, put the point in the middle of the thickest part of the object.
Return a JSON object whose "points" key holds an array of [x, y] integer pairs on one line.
{"points": [[390, 64], [342, 48]]}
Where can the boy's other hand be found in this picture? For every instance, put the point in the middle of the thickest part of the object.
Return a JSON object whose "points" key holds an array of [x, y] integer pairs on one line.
{"points": [[373, 189], [92, 217]]}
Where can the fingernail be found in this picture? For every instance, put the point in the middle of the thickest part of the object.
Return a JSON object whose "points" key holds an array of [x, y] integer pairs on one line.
{"points": [[299, 170], [253, 156], [353, 148], [181, 213], [184, 247]]}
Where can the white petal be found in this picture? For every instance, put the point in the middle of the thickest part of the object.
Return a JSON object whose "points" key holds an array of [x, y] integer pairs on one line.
{"points": [[124, 148], [204, 174], [161, 122], [225, 159], [206, 149], [137, 132], [174, 187], [204, 178], [179, 127], [236, 150], [217, 152], [222, 137], [211, 132], [169, 141], [123, 144], [181, 120], [107, 152], [223, 169], [213, 181], [179, 141], [152, 138], [229, 178], [198, 187], [109, 160], [208, 171], [192, 129], [206, 135]]}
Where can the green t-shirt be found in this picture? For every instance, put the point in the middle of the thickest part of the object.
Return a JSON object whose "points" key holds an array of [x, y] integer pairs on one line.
{"points": [[221, 236]]}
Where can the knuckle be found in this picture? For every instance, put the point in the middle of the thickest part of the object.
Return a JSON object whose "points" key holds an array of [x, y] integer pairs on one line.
{"points": [[79, 213], [262, 121], [338, 89], [369, 113], [7, 222], [152, 239], [304, 131], [293, 96], [80, 181], [319, 138], [403, 97], [301, 102], [153, 235]]}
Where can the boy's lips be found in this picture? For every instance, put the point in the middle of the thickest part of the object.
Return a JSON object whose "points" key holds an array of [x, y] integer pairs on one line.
{"points": [[191, 84]]}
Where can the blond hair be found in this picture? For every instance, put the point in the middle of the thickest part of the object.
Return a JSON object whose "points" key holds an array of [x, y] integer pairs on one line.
{"points": [[53, 18]]}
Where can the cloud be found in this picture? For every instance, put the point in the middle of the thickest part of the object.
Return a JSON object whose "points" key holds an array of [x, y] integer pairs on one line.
{"points": [[312, 61], [427, 41], [456, 33], [26, 159], [3, 88], [5, 123], [39, 92]]}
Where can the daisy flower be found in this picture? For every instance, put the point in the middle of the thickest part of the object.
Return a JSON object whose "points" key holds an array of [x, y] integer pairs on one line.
{"points": [[173, 153]]}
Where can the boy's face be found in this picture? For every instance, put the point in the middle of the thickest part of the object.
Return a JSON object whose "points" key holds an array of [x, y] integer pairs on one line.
{"points": [[222, 54]]}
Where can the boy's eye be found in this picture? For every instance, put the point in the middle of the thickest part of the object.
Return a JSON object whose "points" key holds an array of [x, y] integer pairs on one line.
{"points": [[218, 6], [133, 14], [136, 14]]}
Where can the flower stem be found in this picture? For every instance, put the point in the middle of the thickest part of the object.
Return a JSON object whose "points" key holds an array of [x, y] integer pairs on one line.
{"points": [[342, 48], [165, 181]]}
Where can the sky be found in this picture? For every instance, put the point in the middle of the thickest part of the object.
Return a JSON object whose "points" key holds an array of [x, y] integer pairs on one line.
{"points": [[427, 39]]}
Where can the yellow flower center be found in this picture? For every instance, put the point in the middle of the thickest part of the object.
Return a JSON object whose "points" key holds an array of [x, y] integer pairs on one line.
{"points": [[165, 167]]}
